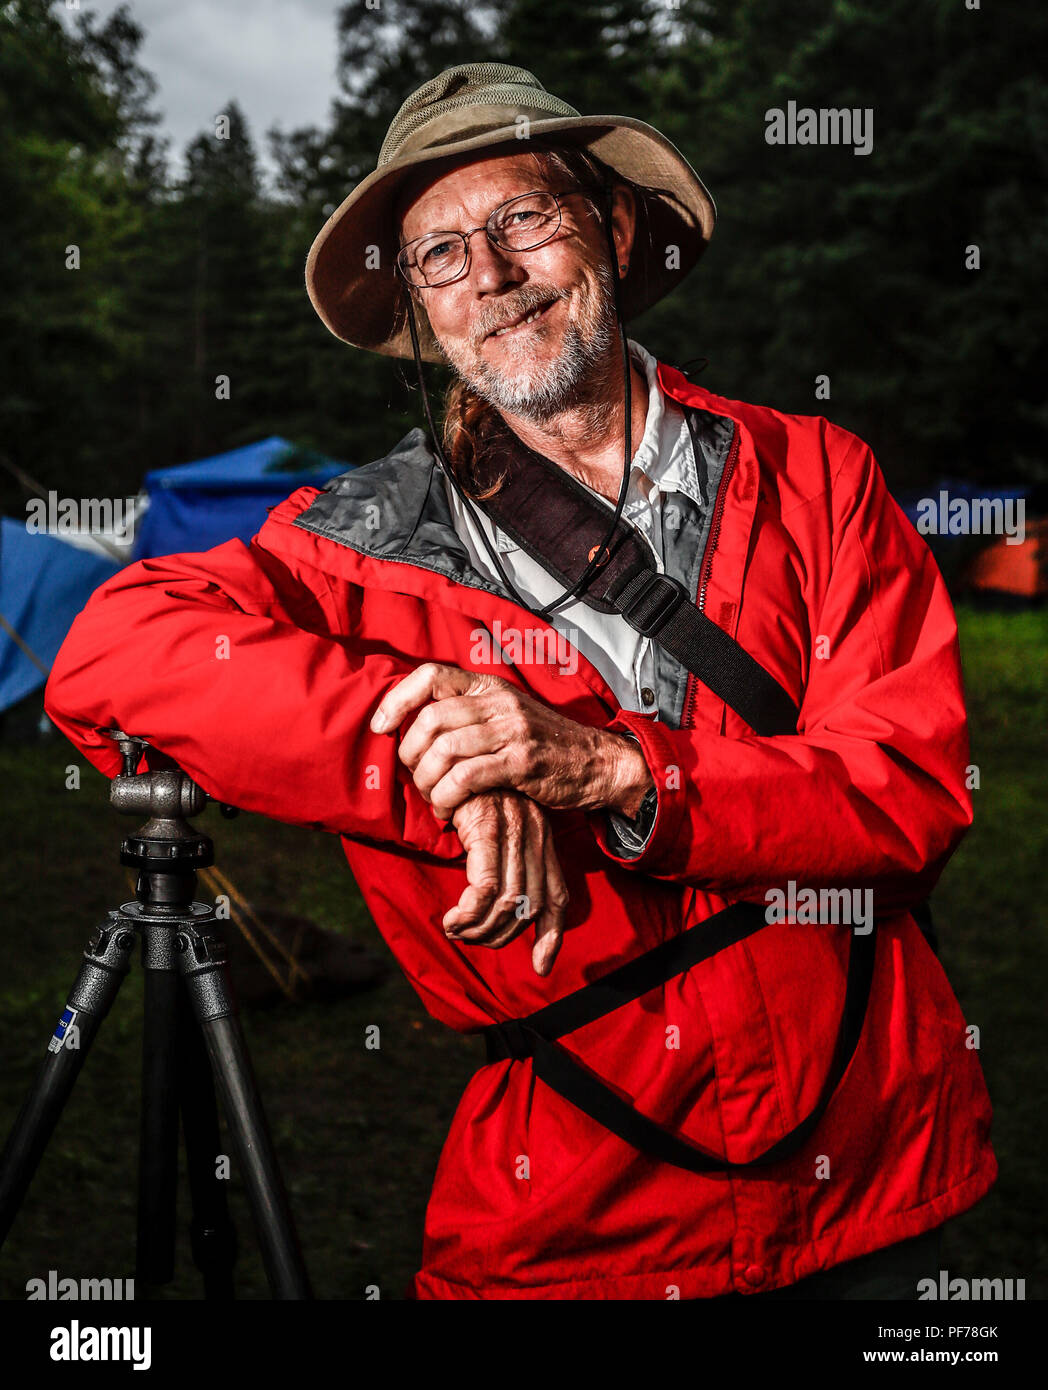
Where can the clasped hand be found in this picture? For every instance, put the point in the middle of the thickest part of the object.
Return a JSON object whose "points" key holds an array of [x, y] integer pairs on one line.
{"points": [[487, 756]]}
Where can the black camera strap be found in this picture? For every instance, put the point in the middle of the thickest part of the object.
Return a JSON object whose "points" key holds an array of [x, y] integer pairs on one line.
{"points": [[535, 1037]]}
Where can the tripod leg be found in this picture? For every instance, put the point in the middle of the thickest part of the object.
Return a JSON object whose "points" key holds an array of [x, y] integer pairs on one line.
{"points": [[202, 960], [158, 1133], [212, 1234], [105, 963]]}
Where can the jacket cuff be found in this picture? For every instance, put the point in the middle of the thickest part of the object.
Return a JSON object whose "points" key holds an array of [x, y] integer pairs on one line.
{"points": [[627, 836], [631, 849]]}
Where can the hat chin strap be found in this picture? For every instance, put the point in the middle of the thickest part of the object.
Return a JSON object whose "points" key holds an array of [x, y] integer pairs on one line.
{"points": [[627, 451]]}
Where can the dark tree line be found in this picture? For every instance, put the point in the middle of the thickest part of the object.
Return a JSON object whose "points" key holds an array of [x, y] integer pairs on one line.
{"points": [[128, 295]]}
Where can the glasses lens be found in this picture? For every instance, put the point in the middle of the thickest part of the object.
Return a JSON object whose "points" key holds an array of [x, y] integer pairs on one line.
{"points": [[433, 259], [526, 222]]}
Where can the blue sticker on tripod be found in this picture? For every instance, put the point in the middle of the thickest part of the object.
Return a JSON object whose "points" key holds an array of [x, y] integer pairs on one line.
{"points": [[62, 1028]]}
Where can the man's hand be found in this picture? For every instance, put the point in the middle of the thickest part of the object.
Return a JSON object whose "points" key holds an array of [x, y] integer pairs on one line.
{"points": [[477, 732], [514, 877]]}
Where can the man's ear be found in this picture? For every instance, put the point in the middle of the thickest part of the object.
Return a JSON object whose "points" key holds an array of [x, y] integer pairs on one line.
{"points": [[623, 223]]}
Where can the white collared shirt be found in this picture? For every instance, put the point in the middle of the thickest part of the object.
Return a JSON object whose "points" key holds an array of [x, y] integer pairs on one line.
{"points": [[663, 463]]}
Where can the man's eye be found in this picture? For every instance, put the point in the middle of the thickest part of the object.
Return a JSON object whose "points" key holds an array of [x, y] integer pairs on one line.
{"points": [[435, 254], [524, 219]]}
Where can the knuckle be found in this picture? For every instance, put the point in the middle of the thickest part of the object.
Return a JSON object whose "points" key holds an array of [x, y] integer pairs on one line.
{"points": [[517, 720], [458, 779], [443, 746], [517, 758], [427, 718]]}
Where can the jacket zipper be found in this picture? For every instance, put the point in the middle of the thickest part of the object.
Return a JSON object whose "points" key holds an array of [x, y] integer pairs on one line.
{"points": [[707, 559]]}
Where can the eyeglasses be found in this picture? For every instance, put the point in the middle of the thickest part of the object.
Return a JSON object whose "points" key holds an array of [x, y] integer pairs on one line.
{"points": [[521, 224]]}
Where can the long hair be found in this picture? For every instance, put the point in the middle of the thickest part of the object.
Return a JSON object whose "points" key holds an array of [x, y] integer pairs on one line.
{"points": [[468, 418]]}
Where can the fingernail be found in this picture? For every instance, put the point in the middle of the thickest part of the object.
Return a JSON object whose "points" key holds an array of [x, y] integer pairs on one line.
{"points": [[378, 722]]}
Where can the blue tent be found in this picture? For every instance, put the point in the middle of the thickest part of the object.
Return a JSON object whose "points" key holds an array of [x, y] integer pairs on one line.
{"points": [[44, 583], [195, 506]]}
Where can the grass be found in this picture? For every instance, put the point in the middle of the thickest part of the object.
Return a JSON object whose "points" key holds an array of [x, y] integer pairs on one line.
{"points": [[358, 1131], [990, 912]]}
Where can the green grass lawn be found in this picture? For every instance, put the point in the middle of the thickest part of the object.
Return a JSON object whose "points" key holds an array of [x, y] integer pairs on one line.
{"points": [[358, 1132], [990, 910]]}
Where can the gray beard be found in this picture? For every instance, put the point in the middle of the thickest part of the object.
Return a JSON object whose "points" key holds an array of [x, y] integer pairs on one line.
{"points": [[573, 381], [567, 383]]}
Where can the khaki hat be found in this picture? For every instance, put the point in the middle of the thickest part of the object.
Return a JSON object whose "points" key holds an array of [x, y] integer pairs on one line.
{"points": [[350, 271]]}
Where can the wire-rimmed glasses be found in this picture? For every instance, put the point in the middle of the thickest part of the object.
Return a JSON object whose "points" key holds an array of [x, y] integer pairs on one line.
{"points": [[520, 224]]}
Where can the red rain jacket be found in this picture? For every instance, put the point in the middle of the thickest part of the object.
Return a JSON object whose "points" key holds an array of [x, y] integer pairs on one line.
{"points": [[533, 1199]]}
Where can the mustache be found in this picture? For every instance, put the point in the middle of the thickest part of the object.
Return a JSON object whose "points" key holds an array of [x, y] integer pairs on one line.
{"points": [[527, 298]]}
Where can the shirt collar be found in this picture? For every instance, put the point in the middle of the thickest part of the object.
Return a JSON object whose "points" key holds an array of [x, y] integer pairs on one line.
{"points": [[665, 455]]}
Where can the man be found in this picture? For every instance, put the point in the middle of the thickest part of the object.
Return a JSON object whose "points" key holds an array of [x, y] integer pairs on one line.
{"points": [[760, 1101]]}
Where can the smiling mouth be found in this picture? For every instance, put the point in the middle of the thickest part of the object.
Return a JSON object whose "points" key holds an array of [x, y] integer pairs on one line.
{"points": [[532, 316]]}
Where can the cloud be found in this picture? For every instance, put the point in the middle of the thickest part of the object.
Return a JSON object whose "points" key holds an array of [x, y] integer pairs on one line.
{"points": [[276, 58]]}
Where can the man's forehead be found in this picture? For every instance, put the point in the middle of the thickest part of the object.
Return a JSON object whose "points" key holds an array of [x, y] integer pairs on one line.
{"points": [[466, 188]]}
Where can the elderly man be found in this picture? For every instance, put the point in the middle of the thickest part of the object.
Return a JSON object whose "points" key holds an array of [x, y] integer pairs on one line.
{"points": [[655, 692]]}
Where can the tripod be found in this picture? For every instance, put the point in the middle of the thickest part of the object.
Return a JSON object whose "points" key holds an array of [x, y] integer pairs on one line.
{"points": [[192, 1039]]}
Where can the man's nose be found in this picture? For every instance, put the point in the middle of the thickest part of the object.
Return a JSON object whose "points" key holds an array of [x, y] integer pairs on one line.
{"points": [[491, 267]]}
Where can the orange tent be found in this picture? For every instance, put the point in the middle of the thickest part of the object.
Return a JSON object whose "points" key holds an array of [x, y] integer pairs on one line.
{"points": [[1021, 570]]}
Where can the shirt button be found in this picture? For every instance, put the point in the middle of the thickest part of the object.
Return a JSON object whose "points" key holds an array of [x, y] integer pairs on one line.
{"points": [[755, 1274], [648, 695]]}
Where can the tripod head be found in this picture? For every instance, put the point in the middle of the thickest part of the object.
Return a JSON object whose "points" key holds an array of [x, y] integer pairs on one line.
{"points": [[166, 850]]}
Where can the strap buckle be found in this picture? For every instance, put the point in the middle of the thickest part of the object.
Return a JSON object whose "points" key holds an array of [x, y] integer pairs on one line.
{"points": [[648, 610]]}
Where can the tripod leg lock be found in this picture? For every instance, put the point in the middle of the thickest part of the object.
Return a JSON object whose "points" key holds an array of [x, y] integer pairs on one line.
{"points": [[202, 963], [108, 953]]}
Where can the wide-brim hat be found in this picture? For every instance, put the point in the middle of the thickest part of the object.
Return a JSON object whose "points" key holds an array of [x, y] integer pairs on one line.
{"points": [[464, 111]]}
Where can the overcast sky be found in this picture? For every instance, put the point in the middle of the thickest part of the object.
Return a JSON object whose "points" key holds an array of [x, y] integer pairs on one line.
{"points": [[275, 57]]}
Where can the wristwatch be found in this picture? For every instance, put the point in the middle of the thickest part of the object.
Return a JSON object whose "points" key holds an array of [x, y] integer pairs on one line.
{"points": [[629, 834]]}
